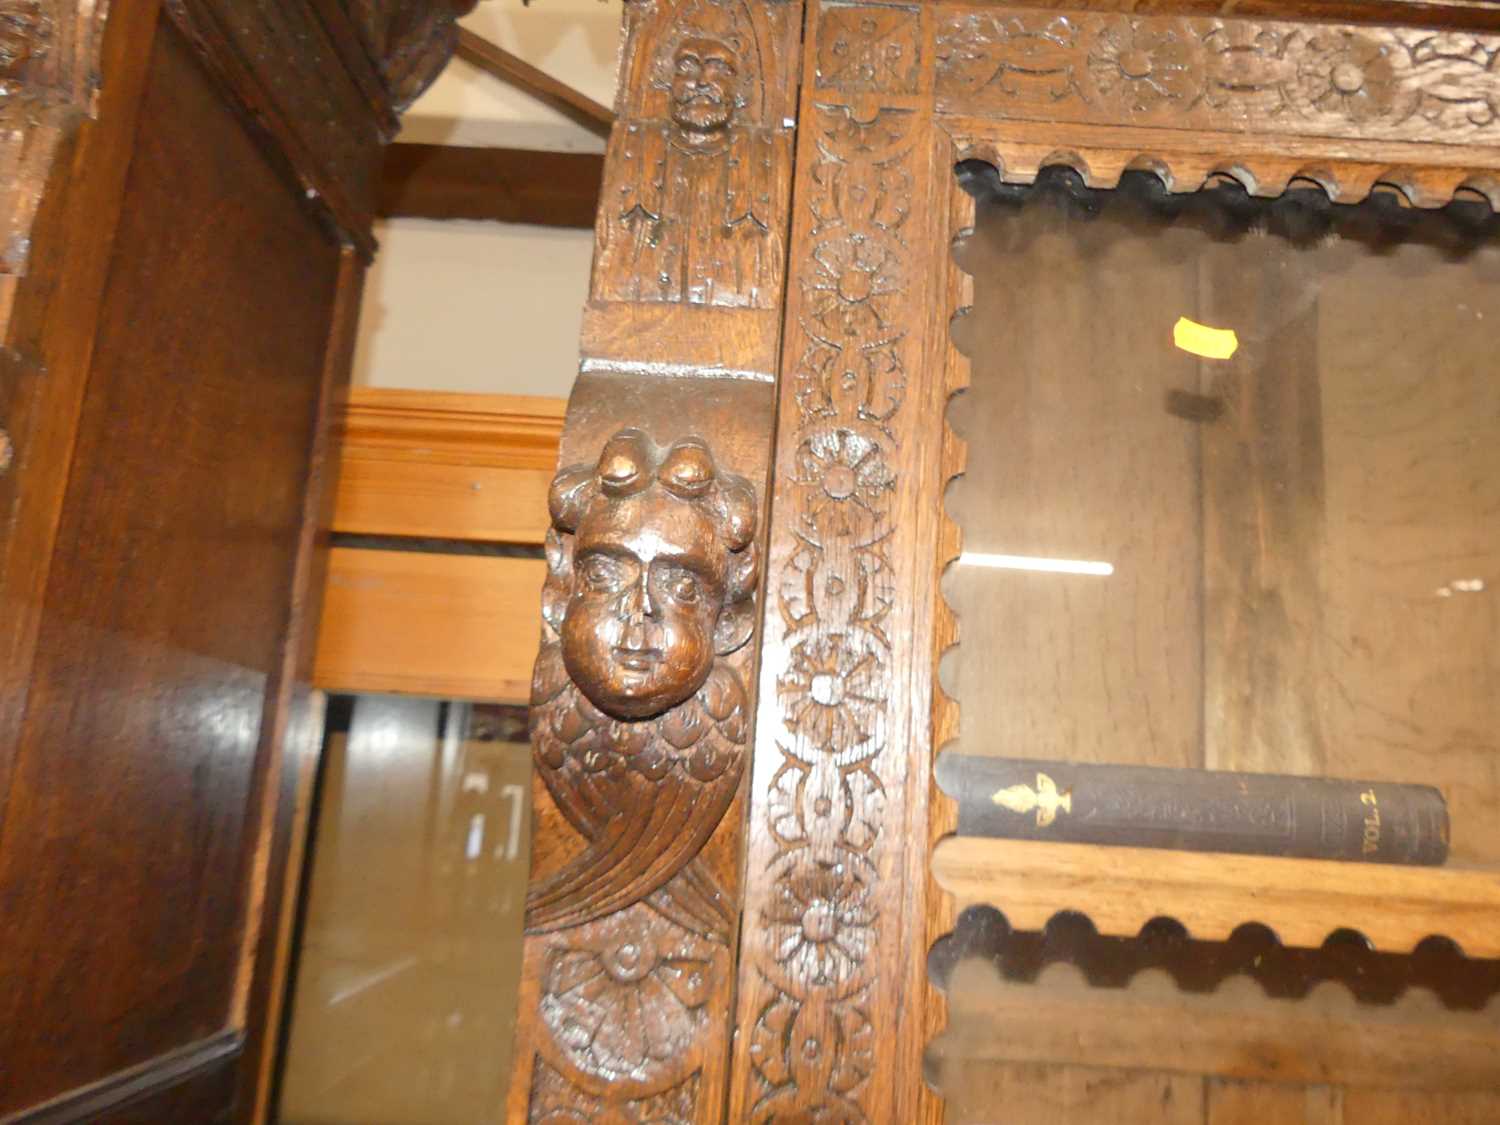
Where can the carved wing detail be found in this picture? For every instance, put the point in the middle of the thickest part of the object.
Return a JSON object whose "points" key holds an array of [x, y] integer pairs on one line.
{"points": [[646, 795]]}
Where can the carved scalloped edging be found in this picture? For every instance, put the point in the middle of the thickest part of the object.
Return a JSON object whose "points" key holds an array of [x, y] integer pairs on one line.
{"points": [[946, 708], [1262, 174], [942, 809], [1252, 950], [1212, 894]]}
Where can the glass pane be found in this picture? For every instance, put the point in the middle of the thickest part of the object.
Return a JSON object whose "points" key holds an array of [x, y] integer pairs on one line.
{"points": [[1282, 561], [404, 998]]}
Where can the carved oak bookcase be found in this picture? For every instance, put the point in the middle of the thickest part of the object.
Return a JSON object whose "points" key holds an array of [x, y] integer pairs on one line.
{"points": [[743, 868]]}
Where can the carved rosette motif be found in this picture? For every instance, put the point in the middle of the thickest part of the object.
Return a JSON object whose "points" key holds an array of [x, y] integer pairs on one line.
{"points": [[1376, 83], [813, 939]]}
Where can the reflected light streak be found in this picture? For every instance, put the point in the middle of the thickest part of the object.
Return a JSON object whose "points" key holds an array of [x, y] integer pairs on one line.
{"points": [[1034, 562]]}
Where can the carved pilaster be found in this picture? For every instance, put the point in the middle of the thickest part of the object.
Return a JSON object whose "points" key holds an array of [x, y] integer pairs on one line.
{"points": [[644, 692]]}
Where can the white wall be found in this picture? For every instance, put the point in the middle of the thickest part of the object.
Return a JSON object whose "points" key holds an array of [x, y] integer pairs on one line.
{"points": [[575, 41], [471, 306], [492, 307]]}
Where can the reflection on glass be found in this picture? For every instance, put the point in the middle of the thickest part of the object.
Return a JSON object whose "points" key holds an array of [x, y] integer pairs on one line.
{"points": [[1031, 562], [1284, 560], [405, 985]]}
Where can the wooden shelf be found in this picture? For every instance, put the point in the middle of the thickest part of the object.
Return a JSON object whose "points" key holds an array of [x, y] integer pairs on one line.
{"points": [[1302, 900], [1237, 1032]]}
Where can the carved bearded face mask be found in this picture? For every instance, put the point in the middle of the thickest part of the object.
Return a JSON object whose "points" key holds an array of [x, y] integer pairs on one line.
{"points": [[704, 71], [662, 570]]}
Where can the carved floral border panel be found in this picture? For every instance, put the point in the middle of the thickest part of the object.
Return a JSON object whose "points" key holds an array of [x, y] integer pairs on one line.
{"points": [[831, 993], [1328, 80]]}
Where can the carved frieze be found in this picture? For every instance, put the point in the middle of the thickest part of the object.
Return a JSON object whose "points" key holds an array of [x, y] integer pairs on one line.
{"points": [[693, 208], [1211, 74]]}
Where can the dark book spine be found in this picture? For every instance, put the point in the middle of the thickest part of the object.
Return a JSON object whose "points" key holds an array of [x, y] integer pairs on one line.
{"points": [[1196, 810]]}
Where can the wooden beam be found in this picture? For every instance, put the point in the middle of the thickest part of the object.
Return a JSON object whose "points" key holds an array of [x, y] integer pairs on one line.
{"points": [[447, 466], [432, 465], [554, 189], [500, 63], [450, 626]]}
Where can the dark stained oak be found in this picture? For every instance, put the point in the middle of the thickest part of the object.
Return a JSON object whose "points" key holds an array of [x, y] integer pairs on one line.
{"points": [[193, 1083], [555, 189], [126, 818], [189, 196]]}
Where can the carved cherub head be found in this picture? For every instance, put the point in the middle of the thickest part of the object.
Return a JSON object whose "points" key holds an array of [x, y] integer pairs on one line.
{"points": [[705, 81], [652, 571]]}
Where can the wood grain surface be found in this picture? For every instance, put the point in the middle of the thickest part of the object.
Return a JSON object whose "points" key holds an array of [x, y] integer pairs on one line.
{"points": [[127, 815], [555, 189], [1237, 1032], [427, 624], [171, 278], [446, 466]]}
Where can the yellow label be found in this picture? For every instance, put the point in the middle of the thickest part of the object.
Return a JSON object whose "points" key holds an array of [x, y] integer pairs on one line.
{"points": [[1200, 339]]}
